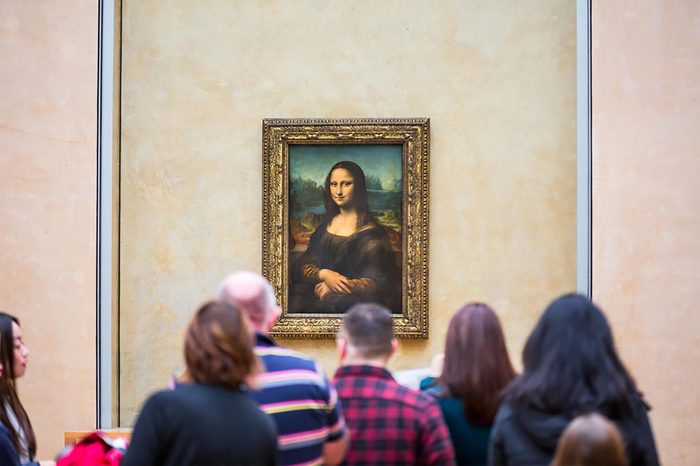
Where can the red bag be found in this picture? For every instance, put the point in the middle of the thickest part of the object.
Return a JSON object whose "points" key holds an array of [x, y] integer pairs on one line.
{"points": [[94, 449]]}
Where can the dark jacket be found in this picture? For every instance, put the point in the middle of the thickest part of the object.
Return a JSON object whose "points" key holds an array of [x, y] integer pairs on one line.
{"points": [[8, 453], [525, 436], [202, 424]]}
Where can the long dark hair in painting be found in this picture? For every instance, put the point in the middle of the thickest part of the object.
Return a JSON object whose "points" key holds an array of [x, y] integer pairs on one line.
{"points": [[360, 198]]}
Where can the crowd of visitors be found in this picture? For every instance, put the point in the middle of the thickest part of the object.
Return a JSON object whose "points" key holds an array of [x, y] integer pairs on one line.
{"points": [[245, 400]]}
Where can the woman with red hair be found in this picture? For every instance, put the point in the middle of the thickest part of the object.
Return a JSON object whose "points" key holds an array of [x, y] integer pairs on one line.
{"points": [[475, 369], [210, 419]]}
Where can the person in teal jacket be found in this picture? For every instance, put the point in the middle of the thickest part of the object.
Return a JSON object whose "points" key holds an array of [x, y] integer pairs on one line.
{"points": [[467, 378]]}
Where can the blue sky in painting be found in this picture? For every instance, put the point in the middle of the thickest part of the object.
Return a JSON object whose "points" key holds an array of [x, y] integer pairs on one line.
{"points": [[313, 161]]}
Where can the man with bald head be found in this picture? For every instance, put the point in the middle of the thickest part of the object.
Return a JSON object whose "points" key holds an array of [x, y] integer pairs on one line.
{"points": [[292, 388]]}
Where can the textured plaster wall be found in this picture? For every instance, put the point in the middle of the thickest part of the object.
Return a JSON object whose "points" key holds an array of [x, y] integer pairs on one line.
{"points": [[497, 80], [47, 206], [646, 203]]}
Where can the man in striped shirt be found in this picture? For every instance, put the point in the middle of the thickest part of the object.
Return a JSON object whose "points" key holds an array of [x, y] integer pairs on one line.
{"points": [[292, 388]]}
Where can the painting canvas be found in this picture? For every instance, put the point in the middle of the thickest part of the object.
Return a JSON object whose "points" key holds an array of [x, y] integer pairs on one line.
{"points": [[345, 220], [326, 182]]}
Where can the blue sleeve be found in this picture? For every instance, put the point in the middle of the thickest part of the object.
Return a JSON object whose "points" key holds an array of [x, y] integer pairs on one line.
{"points": [[8, 454]]}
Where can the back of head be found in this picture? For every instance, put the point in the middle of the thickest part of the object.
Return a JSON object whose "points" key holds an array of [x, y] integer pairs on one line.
{"points": [[570, 363], [590, 440], [476, 365], [252, 294], [369, 330], [219, 346]]}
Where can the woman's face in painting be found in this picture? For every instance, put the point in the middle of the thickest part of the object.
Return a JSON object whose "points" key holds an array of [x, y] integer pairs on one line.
{"points": [[342, 186], [21, 352]]}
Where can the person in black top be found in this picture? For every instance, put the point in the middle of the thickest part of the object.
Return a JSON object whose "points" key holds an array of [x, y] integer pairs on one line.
{"points": [[210, 420], [570, 368]]}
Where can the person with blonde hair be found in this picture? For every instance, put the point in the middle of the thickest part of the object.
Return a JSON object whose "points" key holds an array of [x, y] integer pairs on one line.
{"points": [[210, 419], [590, 440]]}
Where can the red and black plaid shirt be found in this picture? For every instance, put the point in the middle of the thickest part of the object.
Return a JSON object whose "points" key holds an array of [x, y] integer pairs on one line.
{"points": [[390, 423]]}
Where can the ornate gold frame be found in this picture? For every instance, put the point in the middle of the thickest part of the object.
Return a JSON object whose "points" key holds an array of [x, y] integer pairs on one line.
{"points": [[414, 135]]}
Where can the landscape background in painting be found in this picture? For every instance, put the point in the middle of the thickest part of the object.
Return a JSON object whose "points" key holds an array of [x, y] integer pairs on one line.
{"points": [[308, 168]]}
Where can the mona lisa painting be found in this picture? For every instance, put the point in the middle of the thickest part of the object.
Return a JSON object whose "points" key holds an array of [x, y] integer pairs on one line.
{"points": [[345, 220]]}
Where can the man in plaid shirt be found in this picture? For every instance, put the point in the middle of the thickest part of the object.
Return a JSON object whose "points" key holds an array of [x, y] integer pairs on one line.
{"points": [[388, 423]]}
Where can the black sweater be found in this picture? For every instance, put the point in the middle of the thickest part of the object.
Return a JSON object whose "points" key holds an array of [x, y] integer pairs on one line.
{"points": [[202, 425]]}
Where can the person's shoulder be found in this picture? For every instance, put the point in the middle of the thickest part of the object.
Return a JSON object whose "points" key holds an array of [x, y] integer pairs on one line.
{"points": [[4, 435], [184, 392], [637, 409], [639, 401], [506, 409], [430, 386], [165, 395], [424, 398], [163, 403], [282, 366], [417, 399], [164, 400], [291, 357], [8, 454], [425, 407]]}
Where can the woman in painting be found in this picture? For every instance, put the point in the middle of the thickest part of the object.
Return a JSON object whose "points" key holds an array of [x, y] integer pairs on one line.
{"points": [[349, 258]]}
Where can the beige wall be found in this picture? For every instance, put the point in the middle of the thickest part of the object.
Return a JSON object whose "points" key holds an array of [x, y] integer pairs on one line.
{"points": [[47, 205], [645, 71], [646, 203], [497, 80]]}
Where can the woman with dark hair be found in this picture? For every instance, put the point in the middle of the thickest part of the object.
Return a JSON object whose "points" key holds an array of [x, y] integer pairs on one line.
{"points": [[14, 357], [475, 368], [210, 420], [571, 368], [349, 258]]}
